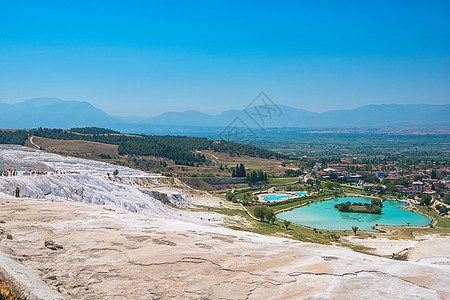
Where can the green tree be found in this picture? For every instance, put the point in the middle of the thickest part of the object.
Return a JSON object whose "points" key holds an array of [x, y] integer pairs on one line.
{"points": [[328, 185], [376, 202], [333, 175], [286, 224], [355, 229], [433, 174], [425, 199], [256, 176], [242, 172], [344, 207], [259, 212], [115, 173], [229, 196], [269, 215], [446, 199]]}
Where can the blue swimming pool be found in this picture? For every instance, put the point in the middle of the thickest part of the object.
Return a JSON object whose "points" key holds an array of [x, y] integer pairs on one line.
{"points": [[276, 197], [301, 193]]}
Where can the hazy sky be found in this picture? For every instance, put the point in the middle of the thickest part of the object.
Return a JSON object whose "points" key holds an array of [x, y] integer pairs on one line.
{"points": [[138, 58]]}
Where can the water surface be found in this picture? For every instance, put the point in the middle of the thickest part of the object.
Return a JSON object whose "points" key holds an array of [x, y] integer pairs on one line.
{"points": [[323, 215], [276, 197], [301, 193]]}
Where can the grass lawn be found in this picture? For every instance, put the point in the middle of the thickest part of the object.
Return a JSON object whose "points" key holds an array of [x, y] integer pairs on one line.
{"points": [[283, 180], [441, 222]]}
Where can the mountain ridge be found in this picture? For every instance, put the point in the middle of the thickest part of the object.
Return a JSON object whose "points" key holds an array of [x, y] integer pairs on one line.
{"points": [[57, 113]]}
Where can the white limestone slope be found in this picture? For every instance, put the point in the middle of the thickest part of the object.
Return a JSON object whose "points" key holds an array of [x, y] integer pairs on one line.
{"points": [[84, 188], [91, 185], [25, 158]]}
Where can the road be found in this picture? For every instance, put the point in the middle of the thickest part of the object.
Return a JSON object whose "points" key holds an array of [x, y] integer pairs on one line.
{"points": [[32, 143]]}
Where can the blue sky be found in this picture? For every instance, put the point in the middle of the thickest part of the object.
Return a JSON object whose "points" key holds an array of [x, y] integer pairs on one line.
{"points": [[144, 58]]}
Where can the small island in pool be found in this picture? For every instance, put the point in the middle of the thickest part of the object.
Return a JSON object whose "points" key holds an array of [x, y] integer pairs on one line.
{"points": [[374, 207]]}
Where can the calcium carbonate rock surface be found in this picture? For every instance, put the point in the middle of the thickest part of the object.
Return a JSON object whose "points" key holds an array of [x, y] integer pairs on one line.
{"points": [[86, 181]]}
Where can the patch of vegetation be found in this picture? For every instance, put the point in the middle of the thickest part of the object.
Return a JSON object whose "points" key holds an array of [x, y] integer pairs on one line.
{"points": [[256, 176], [443, 210], [93, 130], [13, 137], [105, 155], [264, 213], [359, 208], [441, 221], [6, 292], [282, 180], [239, 171]]}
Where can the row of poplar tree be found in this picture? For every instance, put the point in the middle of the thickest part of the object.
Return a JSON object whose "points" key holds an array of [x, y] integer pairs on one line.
{"points": [[252, 176]]}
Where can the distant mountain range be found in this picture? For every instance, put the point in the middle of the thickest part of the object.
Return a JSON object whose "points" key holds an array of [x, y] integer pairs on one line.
{"points": [[52, 113], [56, 113]]}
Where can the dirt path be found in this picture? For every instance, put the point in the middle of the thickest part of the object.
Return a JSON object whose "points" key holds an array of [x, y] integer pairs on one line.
{"points": [[34, 144], [210, 154], [249, 213]]}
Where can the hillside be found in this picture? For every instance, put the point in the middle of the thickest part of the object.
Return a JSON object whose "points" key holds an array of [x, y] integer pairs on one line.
{"points": [[146, 152]]}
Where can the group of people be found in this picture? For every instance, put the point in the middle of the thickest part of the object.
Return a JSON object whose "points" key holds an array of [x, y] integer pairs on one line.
{"points": [[9, 172], [14, 172]]}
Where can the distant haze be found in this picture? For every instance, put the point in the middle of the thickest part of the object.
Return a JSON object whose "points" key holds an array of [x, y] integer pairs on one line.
{"points": [[56, 113]]}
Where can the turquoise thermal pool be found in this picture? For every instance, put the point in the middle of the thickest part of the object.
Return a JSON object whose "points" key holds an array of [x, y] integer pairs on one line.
{"points": [[323, 215]]}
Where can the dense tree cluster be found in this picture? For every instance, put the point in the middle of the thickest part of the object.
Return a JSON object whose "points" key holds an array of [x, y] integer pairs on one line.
{"points": [[425, 199], [241, 149], [446, 199], [105, 155], [93, 130], [373, 208], [239, 171], [144, 147], [230, 196], [252, 175], [443, 210], [256, 176], [13, 137], [293, 173]]}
